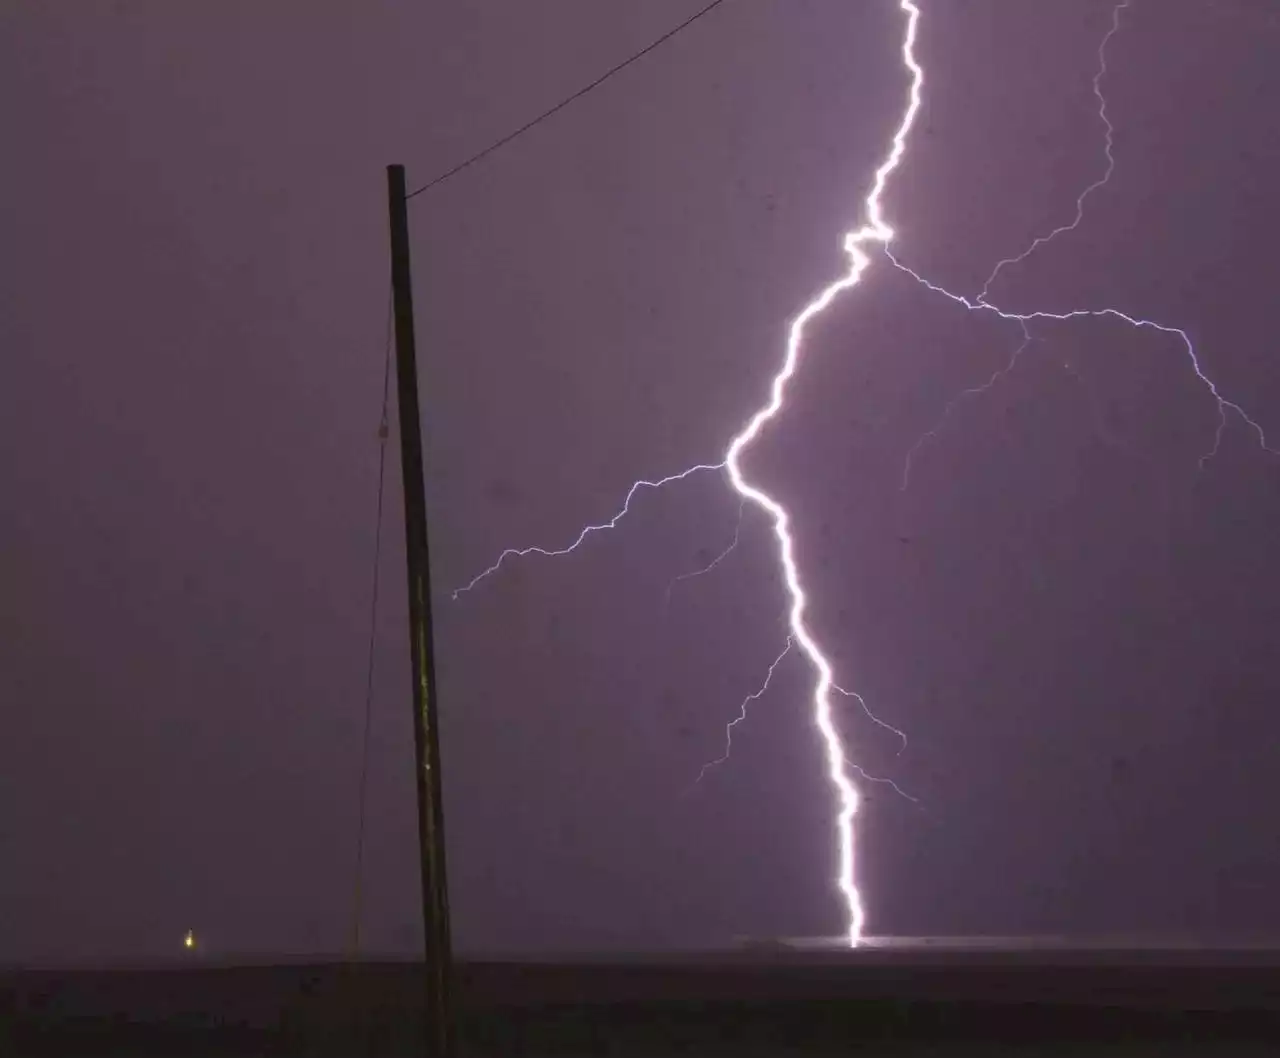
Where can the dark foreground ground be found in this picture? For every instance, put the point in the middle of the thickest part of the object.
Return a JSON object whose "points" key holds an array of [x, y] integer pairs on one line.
{"points": [[911, 1000]]}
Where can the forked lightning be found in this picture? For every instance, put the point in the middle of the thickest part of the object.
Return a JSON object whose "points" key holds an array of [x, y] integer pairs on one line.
{"points": [[876, 232]]}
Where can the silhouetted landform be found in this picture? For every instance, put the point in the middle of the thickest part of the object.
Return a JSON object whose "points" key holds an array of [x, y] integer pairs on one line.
{"points": [[762, 999]]}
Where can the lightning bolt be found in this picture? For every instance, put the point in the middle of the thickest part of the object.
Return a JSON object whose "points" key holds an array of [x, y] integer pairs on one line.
{"points": [[759, 693], [733, 545], [866, 709], [1224, 405], [589, 530], [1110, 167], [982, 302], [875, 230], [754, 696], [959, 398], [1036, 243]]}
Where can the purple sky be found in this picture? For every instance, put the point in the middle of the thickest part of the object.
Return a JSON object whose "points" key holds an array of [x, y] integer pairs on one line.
{"points": [[1074, 625]]}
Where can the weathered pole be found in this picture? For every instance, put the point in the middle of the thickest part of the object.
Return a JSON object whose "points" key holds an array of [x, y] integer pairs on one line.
{"points": [[426, 729]]}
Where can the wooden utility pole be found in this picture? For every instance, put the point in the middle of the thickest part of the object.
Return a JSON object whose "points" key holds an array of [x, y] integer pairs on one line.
{"points": [[426, 730]]}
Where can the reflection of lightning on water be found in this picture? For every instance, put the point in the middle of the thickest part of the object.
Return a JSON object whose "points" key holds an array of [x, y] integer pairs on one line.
{"points": [[874, 230]]}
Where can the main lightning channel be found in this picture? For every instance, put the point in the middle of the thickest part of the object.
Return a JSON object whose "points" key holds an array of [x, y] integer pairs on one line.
{"points": [[874, 230]]}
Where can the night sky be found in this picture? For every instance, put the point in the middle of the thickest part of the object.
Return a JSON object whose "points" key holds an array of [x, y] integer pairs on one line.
{"points": [[1075, 626]]}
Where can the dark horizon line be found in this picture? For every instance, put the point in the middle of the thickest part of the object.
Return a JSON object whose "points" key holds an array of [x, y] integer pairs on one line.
{"points": [[785, 949]]}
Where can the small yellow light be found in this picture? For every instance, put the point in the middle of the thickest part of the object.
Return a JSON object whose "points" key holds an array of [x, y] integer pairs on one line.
{"points": [[189, 941]]}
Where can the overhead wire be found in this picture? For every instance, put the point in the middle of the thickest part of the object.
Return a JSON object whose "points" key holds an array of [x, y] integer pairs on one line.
{"points": [[498, 144]]}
